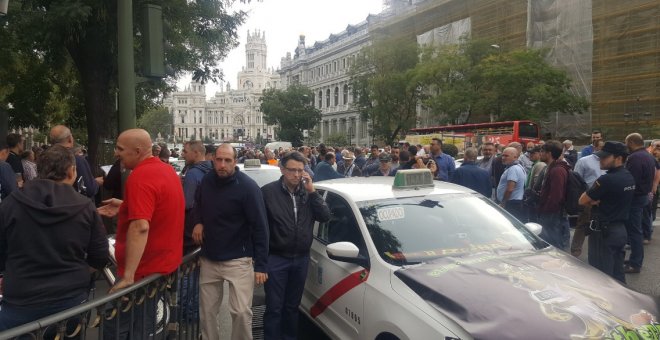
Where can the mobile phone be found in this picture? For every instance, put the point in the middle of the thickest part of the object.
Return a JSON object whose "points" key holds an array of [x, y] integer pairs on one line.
{"points": [[304, 180]]}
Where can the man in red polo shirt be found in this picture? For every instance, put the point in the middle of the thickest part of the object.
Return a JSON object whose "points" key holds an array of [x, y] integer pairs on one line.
{"points": [[150, 227]]}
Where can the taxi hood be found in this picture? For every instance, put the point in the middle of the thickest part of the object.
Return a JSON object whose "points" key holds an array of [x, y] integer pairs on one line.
{"points": [[533, 295]]}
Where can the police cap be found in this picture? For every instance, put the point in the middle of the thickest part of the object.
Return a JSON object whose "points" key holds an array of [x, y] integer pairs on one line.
{"points": [[612, 148]]}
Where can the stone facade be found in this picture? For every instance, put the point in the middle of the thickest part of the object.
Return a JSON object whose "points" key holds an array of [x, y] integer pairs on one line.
{"points": [[231, 114], [323, 68]]}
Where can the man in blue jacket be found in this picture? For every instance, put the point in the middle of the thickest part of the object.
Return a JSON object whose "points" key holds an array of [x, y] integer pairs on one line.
{"points": [[85, 183], [293, 205], [324, 170], [198, 166], [231, 225], [470, 175]]}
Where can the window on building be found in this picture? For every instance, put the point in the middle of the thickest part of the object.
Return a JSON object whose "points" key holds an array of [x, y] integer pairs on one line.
{"points": [[327, 98], [336, 95], [334, 66], [345, 94], [320, 99], [343, 63]]}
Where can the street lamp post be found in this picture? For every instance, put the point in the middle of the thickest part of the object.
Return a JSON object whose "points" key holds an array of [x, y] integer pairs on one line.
{"points": [[126, 65], [4, 115]]}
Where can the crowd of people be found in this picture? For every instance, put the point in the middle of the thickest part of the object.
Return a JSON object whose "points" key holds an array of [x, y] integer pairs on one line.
{"points": [[51, 231]]}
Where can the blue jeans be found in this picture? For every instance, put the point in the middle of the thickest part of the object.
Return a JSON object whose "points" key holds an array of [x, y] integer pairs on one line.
{"points": [[555, 230], [606, 251], [634, 230], [189, 299], [284, 289], [12, 315], [516, 208]]}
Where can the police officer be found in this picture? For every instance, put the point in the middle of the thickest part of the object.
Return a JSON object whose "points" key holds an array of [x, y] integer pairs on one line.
{"points": [[610, 197]]}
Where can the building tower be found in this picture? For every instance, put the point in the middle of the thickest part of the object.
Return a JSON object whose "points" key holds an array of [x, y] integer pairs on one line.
{"points": [[256, 51]]}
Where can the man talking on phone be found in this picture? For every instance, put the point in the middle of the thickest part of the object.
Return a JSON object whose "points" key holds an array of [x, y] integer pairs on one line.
{"points": [[292, 205]]}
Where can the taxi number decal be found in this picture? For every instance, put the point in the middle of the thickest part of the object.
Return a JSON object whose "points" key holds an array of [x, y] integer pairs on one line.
{"points": [[338, 290], [389, 214]]}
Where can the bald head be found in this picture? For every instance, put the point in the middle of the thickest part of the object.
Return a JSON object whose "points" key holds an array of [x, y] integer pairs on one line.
{"points": [[133, 146], [515, 145], [510, 155], [60, 134]]}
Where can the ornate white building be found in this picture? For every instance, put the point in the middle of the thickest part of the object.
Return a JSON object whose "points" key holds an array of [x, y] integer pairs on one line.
{"points": [[323, 68], [230, 115]]}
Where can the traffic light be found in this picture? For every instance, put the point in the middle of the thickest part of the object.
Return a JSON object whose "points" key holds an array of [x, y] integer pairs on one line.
{"points": [[153, 54]]}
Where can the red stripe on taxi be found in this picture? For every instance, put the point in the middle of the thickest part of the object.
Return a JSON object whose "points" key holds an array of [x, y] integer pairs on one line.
{"points": [[338, 290]]}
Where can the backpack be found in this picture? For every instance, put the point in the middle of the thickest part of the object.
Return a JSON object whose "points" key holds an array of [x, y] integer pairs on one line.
{"points": [[575, 187]]}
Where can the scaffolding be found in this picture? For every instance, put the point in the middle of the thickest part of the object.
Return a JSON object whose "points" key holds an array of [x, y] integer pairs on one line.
{"points": [[610, 49]]}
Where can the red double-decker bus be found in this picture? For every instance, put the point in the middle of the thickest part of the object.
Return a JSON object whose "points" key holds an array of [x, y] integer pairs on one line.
{"points": [[522, 131]]}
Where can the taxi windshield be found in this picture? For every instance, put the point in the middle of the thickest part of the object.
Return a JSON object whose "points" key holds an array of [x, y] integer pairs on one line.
{"points": [[412, 230]]}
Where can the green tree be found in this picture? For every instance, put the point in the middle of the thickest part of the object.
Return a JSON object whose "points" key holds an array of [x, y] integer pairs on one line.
{"points": [[81, 36], [292, 110], [384, 86], [521, 85], [336, 139], [447, 75], [474, 82], [156, 121]]}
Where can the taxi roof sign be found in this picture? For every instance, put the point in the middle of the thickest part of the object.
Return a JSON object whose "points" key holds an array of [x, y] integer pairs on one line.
{"points": [[413, 178], [252, 163]]}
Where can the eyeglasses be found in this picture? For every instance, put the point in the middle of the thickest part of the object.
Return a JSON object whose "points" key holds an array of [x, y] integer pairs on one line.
{"points": [[295, 171]]}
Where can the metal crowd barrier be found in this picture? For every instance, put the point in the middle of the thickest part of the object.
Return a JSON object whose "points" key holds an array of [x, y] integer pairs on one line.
{"points": [[157, 307]]}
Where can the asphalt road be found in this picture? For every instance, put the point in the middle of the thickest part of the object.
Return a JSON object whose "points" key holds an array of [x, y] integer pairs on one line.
{"points": [[647, 281]]}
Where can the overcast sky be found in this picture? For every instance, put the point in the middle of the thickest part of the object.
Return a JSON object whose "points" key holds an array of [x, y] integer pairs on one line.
{"points": [[283, 21]]}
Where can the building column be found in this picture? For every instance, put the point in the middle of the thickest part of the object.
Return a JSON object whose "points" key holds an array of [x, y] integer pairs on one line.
{"points": [[358, 130]]}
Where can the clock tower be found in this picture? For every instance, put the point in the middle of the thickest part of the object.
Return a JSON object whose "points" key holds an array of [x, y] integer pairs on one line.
{"points": [[256, 51]]}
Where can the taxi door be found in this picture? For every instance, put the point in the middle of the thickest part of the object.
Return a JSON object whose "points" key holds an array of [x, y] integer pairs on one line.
{"points": [[334, 291]]}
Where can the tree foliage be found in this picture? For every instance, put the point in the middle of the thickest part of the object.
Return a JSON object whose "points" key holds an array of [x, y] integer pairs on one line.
{"points": [[67, 51], [384, 86], [336, 139], [292, 110], [475, 81], [156, 121]]}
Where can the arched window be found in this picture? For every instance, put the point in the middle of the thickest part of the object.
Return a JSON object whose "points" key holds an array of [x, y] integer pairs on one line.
{"points": [[336, 95], [345, 99], [320, 99], [327, 98]]}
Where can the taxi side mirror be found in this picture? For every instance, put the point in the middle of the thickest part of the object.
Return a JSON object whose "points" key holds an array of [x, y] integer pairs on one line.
{"points": [[346, 252], [535, 228]]}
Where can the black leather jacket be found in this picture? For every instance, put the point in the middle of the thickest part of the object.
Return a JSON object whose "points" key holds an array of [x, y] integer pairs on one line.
{"points": [[291, 233]]}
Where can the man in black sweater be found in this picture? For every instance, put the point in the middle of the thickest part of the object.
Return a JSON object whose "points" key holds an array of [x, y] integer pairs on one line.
{"points": [[49, 238], [231, 226], [293, 205]]}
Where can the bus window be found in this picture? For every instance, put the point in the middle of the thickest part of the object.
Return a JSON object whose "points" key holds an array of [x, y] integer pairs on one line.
{"points": [[528, 130]]}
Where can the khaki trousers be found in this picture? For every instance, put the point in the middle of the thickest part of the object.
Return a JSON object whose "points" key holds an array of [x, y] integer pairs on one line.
{"points": [[239, 273]]}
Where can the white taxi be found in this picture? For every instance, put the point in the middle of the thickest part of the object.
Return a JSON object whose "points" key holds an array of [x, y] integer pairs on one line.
{"points": [[410, 258]]}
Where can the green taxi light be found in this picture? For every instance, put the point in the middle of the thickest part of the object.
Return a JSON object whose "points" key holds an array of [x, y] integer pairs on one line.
{"points": [[252, 163], [413, 178]]}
